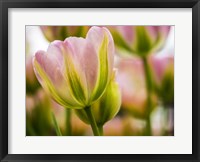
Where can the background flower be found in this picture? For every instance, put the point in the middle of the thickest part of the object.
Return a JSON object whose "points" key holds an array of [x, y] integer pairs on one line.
{"points": [[140, 40], [131, 79], [61, 32]]}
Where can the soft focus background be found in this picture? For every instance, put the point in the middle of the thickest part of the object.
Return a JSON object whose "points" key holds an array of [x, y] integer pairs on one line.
{"points": [[130, 121]]}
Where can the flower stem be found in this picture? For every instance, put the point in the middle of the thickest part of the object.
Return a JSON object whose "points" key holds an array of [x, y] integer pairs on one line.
{"points": [[149, 90], [92, 121], [68, 122], [100, 129], [58, 132]]}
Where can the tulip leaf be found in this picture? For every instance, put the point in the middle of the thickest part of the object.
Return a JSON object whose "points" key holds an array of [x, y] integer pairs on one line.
{"points": [[57, 129]]}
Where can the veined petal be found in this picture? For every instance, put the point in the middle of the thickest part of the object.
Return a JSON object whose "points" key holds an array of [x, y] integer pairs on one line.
{"points": [[72, 73], [86, 60], [103, 44], [50, 77]]}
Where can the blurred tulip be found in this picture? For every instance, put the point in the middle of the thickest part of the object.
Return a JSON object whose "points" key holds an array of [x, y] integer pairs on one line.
{"points": [[76, 72], [163, 72], [139, 40], [61, 32], [124, 126], [106, 107], [114, 127], [32, 83], [131, 79]]}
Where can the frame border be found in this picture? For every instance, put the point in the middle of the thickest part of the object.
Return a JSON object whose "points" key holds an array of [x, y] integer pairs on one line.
{"points": [[6, 4]]}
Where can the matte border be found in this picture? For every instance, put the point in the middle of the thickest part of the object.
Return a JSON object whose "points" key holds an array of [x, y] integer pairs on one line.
{"points": [[6, 4]]}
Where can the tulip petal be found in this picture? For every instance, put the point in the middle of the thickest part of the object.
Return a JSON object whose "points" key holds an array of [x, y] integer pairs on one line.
{"points": [[50, 77], [73, 77], [86, 60], [104, 45]]}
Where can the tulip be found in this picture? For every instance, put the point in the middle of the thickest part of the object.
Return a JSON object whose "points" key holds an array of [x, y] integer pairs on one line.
{"points": [[32, 83], [163, 72], [140, 40], [106, 107], [52, 33], [77, 71], [131, 79]]}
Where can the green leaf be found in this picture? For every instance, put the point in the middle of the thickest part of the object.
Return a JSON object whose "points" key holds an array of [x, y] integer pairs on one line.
{"points": [[57, 129]]}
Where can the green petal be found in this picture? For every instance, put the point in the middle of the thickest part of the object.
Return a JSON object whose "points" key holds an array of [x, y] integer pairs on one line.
{"points": [[103, 70], [74, 81]]}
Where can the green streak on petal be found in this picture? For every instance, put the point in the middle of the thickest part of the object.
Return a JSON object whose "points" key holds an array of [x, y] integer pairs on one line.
{"points": [[102, 78], [74, 81], [51, 89]]}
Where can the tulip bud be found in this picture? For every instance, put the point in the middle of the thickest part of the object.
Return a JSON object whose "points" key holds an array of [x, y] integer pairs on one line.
{"points": [[61, 32], [32, 83], [77, 71], [139, 40], [106, 107]]}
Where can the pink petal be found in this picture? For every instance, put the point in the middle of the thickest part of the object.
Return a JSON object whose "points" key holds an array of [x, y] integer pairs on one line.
{"points": [[155, 31], [160, 66], [52, 69], [95, 36], [84, 58], [128, 33]]}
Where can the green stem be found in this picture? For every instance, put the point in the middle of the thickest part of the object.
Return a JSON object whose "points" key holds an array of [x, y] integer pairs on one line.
{"points": [[166, 120], [100, 129], [92, 121], [149, 90], [58, 132], [68, 122]]}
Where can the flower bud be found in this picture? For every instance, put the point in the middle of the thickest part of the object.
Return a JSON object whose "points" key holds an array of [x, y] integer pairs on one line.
{"points": [[106, 107]]}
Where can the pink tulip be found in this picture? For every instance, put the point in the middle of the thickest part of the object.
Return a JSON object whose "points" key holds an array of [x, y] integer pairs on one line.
{"points": [[131, 79], [161, 66], [163, 73], [76, 71], [140, 40]]}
